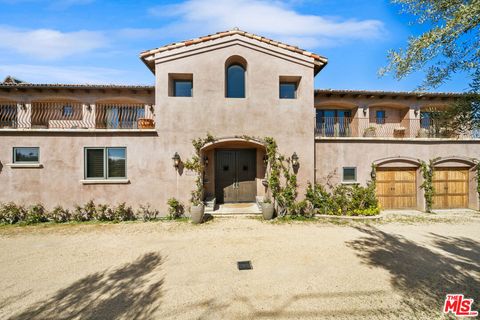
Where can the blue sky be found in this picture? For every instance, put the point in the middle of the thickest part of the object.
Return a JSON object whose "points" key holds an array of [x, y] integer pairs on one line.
{"points": [[93, 41]]}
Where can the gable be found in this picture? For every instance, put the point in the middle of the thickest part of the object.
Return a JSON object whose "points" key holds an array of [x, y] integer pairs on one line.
{"points": [[228, 38]]}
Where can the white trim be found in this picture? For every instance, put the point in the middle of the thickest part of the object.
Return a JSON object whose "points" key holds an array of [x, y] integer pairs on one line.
{"points": [[24, 165], [105, 181]]}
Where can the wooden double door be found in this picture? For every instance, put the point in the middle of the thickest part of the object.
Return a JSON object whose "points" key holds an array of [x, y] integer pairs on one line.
{"points": [[451, 188], [235, 172], [397, 188]]}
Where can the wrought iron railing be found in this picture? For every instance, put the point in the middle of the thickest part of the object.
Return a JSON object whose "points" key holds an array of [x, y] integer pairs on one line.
{"points": [[8, 115], [371, 128], [119, 116], [75, 115]]}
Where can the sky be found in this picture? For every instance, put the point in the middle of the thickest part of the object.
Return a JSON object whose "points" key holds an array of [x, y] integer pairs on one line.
{"points": [[98, 42]]}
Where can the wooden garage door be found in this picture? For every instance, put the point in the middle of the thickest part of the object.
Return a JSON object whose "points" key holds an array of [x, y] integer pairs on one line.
{"points": [[397, 188], [451, 188]]}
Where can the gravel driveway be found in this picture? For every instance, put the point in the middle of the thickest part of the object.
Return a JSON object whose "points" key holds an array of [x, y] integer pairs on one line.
{"points": [[175, 270]]}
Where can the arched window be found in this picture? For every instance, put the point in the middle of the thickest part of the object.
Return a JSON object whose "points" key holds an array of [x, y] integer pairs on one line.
{"points": [[235, 77]]}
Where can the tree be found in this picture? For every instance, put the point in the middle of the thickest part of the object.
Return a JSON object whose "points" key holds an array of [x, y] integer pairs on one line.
{"points": [[450, 45]]}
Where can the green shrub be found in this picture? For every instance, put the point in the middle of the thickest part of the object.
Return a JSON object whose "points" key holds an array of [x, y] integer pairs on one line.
{"points": [[123, 213], [59, 215], [36, 214], [146, 213], [345, 200], [85, 213], [103, 213], [10, 213], [175, 208]]}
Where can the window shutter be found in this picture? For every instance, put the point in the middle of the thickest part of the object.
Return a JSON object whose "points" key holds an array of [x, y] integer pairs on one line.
{"points": [[95, 167]]}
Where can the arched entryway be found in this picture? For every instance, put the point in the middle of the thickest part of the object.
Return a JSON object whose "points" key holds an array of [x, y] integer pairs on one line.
{"points": [[234, 170]]}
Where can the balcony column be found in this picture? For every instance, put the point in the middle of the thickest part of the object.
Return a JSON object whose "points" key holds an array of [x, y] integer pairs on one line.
{"points": [[24, 115], [149, 111], [412, 121], [88, 115]]}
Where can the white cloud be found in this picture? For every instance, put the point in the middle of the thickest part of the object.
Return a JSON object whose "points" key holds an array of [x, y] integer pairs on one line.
{"points": [[65, 74], [273, 18], [48, 44]]}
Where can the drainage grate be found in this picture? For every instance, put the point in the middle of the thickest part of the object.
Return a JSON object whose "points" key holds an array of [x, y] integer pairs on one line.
{"points": [[244, 265]]}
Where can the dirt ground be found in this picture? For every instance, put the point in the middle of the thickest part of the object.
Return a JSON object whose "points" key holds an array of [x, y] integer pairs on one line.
{"points": [[176, 270]]}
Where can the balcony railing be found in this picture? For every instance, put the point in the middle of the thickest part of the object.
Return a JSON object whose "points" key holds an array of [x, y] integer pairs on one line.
{"points": [[371, 128], [74, 115]]}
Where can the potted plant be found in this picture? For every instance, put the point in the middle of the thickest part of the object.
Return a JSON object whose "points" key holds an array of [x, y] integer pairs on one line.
{"points": [[144, 123], [370, 132], [267, 209], [197, 211]]}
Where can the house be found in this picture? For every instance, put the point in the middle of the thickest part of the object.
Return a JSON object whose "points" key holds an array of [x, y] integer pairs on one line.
{"points": [[65, 144]]}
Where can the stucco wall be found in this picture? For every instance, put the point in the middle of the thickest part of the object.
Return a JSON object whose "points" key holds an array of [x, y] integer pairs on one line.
{"points": [[260, 114], [331, 155]]}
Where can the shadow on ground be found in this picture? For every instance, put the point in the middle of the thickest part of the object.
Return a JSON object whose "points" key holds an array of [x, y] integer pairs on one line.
{"points": [[127, 292], [423, 275]]}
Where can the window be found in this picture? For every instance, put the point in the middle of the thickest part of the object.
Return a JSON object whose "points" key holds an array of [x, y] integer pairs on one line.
{"points": [[288, 90], [425, 120], [182, 88], [380, 116], [26, 155], [235, 81], [67, 111], [180, 84], [333, 123], [349, 174], [105, 163]]}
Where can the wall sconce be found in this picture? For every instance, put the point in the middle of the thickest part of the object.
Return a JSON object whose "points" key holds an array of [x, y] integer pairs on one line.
{"points": [[176, 160], [152, 109], [89, 107], [294, 160], [416, 110], [205, 160], [364, 108]]}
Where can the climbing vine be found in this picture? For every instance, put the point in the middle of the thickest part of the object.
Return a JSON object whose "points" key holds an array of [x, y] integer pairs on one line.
{"points": [[427, 185], [280, 167], [197, 165]]}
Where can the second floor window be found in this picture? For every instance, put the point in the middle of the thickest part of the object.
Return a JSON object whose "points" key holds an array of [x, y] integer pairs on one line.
{"points": [[182, 88], [380, 116], [235, 77], [288, 90]]}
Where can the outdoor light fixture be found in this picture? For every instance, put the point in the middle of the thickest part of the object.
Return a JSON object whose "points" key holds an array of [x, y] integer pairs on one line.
{"points": [[205, 160], [364, 108], [294, 160], [89, 107], [416, 109], [176, 160]]}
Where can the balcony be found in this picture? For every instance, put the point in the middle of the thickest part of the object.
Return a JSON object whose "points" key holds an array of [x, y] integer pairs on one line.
{"points": [[338, 127], [76, 116]]}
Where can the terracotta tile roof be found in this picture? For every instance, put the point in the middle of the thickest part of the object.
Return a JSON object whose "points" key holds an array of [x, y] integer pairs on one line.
{"points": [[330, 92], [321, 61], [25, 85]]}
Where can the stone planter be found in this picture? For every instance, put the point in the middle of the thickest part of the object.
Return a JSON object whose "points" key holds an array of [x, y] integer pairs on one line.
{"points": [[267, 211], [197, 212], [144, 123]]}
